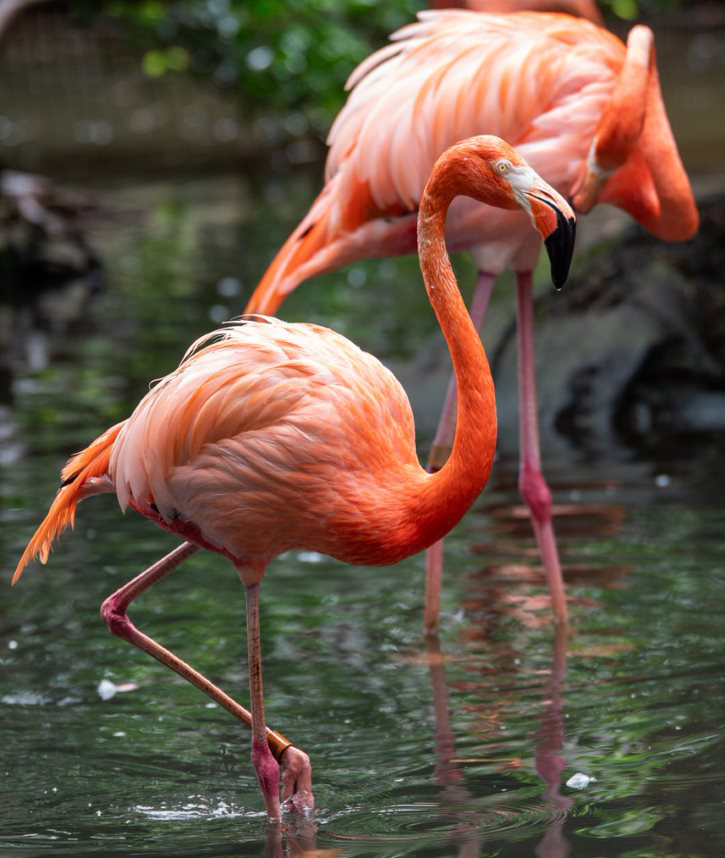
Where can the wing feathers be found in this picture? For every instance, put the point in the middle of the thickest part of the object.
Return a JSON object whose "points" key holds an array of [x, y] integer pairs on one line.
{"points": [[245, 394]]}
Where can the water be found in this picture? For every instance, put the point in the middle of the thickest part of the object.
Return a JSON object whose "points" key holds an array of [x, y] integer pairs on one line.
{"points": [[464, 750]]}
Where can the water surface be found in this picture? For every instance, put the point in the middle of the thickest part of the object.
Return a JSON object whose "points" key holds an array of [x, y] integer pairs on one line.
{"points": [[461, 750]]}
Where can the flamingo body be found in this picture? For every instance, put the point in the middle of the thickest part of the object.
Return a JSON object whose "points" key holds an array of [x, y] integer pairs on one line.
{"points": [[273, 436], [278, 437], [543, 81]]}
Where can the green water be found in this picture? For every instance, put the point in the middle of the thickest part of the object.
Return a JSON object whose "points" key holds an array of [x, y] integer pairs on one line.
{"points": [[462, 751]]}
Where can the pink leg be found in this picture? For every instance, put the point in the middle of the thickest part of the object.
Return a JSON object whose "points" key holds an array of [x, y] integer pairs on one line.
{"points": [[439, 453], [264, 763], [532, 486], [113, 611]]}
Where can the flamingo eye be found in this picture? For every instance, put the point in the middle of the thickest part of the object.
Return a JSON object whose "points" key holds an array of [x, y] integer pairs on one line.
{"points": [[502, 167]]}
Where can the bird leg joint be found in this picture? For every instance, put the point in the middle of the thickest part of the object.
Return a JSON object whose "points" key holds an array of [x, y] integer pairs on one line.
{"points": [[536, 494], [115, 617]]}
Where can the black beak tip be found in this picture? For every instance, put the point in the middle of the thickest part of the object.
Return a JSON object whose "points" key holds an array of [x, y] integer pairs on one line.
{"points": [[560, 247]]}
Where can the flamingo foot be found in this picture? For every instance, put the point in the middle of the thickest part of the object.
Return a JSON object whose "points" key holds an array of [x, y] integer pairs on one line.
{"points": [[267, 769], [297, 782]]}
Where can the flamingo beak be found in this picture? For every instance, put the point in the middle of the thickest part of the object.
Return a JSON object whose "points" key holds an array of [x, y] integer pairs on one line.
{"points": [[555, 221]]}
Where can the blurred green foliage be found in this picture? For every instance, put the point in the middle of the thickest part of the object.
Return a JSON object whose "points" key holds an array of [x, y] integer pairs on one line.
{"points": [[277, 55], [286, 55], [630, 10]]}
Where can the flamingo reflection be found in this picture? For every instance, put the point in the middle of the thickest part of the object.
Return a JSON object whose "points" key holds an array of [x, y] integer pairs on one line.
{"points": [[468, 832], [549, 759]]}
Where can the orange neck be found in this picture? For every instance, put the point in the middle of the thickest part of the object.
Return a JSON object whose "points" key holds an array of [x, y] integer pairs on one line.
{"points": [[446, 495]]}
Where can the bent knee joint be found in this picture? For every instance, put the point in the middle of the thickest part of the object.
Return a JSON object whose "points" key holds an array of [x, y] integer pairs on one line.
{"points": [[536, 495], [115, 619]]}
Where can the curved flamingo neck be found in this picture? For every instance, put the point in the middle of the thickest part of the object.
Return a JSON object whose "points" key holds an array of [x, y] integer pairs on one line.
{"points": [[447, 494]]}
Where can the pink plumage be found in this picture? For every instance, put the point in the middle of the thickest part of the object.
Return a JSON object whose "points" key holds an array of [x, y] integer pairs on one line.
{"points": [[285, 428], [541, 81]]}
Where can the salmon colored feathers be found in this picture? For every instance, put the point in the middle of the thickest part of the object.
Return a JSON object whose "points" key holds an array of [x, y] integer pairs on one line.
{"points": [[551, 85], [80, 479]]}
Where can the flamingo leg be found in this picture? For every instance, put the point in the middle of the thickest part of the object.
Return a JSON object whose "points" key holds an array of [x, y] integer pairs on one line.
{"points": [[265, 765], [532, 485], [439, 452], [113, 611]]}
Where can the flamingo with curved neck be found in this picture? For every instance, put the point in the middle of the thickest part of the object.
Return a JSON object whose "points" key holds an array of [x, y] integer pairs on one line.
{"points": [[272, 436], [586, 111]]}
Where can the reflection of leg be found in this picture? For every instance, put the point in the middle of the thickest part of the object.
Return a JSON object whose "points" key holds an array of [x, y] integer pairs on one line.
{"points": [[273, 847], [548, 758], [446, 772], [114, 615], [264, 763], [439, 452], [302, 840], [550, 762], [532, 486]]}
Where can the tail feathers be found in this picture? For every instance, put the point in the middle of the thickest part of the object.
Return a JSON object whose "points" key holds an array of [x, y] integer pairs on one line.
{"points": [[82, 477], [326, 239], [93, 461], [285, 274]]}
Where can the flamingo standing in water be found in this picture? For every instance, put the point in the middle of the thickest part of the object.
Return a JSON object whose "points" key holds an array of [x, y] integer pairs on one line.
{"points": [[585, 111], [273, 436]]}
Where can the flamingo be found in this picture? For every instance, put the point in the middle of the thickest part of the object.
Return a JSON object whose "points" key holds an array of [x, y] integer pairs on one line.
{"points": [[272, 436], [585, 111], [580, 8]]}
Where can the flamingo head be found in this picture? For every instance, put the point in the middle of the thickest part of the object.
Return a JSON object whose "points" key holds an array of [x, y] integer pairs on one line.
{"points": [[493, 172]]}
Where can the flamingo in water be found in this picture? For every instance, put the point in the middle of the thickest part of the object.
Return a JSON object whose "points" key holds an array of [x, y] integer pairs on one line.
{"points": [[587, 114], [273, 436]]}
